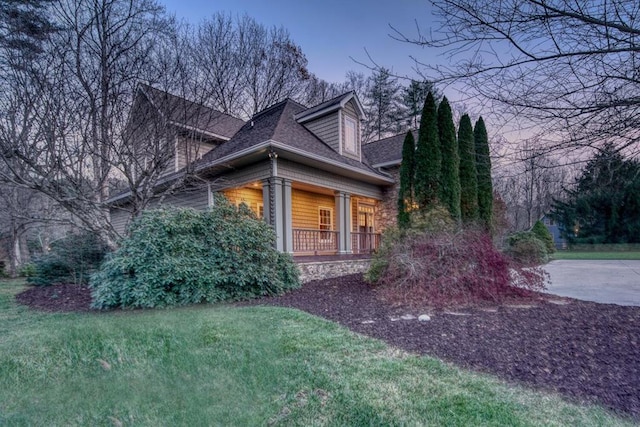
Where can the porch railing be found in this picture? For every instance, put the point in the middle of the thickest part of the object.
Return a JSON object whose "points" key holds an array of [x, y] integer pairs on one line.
{"points": [[307, 240], [315, 241], [364, 243]]}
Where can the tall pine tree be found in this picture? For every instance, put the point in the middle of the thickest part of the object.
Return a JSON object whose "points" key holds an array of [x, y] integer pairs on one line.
{"points": [[407, 170], [483, 165], [428, 157], [450, 172], [384, 106], [468, 172]]}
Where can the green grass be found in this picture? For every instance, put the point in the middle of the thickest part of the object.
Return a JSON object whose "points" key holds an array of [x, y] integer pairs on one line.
{"points": [[220, 365], [585, 255]]}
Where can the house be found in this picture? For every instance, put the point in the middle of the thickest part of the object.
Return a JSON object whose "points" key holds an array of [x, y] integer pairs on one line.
{"points": [[303, 170], [556, 232]]}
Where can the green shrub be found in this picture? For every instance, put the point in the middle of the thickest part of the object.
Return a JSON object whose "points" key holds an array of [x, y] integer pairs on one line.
{"points": [[71, 259], [544, 235], [182, 256], [27, 270], [526, 248]]}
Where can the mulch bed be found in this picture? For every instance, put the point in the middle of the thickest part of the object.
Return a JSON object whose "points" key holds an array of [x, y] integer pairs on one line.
{"points": [[589, 352]]}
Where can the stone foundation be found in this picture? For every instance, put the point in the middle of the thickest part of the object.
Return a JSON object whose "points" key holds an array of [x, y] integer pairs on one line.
{"points": [[327, 269]]}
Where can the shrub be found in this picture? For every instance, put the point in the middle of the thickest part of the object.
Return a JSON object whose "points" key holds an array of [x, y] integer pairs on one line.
{"points": [[527, 249], [182, 256], [542, 233], [447, 268], [27, 270], [71, 259]]}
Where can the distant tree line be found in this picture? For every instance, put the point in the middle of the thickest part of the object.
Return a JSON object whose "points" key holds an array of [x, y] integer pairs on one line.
{"points": [[603, 205]]}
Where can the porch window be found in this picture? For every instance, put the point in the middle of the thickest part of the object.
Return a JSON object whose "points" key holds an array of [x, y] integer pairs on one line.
{"points": [[350, 135], [325, 222]]}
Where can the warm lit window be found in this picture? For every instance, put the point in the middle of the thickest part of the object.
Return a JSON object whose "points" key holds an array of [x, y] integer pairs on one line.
{"points": [[325, 222], [350, 135]]}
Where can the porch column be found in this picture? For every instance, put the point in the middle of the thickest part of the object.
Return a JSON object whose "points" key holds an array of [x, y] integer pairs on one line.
{"points": [[276, 212], [266, 201], [343, 221], [276, 197], [347, 223], [287, 211]]}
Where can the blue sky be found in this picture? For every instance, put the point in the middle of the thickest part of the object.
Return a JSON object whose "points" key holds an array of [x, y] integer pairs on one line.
{"points": [[331, 31]]}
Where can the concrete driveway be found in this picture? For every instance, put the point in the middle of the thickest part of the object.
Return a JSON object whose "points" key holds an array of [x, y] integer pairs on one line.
{"points": [[610, 282]]}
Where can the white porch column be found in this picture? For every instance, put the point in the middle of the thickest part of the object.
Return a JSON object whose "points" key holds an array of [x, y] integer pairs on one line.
{"points": [[343, 221]]}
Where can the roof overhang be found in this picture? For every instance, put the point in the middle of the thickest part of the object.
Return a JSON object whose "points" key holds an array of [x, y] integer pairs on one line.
{"points": [[261, 151]]}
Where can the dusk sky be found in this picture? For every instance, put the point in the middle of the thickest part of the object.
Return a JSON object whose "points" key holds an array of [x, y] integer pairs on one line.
{"points": [[331, 31]]}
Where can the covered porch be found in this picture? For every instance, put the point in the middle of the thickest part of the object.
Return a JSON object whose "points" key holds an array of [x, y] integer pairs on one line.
{"points": [[311, 220]]}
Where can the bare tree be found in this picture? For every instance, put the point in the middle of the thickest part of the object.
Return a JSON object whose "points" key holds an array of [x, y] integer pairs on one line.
{"points": [[568, 68], [64, 111], [529, 185]]}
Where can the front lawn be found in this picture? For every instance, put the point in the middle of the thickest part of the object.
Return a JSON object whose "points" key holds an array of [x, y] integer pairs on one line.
{"points": [[597, 255], [222, 365]]}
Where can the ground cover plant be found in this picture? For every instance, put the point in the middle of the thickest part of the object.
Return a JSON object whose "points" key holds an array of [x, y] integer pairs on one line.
{"points": [[225, 365], [448, 268], [183, 256]]}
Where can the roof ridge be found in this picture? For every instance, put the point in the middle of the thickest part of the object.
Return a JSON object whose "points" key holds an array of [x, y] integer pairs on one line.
{"points": [[199, 104]]}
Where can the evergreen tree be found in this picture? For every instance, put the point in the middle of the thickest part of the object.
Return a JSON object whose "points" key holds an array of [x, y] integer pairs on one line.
{"points": [[384, 106], [483, 166], [604, 206], [428, 157], [468, 172], [413, 97], [407, 170], [450, 173]]}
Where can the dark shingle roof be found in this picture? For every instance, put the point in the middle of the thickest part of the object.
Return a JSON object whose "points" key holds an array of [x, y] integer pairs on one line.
{"points": [[191, 114], [278, 124], [386, 151]]}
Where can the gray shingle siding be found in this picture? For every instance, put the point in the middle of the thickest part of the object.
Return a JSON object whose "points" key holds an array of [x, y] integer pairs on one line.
{"points": [[326, 128]]}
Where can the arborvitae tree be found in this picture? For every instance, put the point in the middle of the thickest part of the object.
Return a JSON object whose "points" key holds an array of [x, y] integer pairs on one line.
{"points": [[407, 171], [468, 172], [483, 166], [450, 173], [428, 157]]}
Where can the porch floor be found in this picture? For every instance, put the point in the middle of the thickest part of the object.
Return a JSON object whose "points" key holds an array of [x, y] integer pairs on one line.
{"points": [[302, 259]]}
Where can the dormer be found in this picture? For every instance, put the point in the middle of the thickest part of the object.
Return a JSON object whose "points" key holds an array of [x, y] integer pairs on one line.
{"points": [[337, 122]]}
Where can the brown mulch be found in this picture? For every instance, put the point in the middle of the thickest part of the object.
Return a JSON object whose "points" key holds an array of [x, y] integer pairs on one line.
{"points": [[589, 352]]}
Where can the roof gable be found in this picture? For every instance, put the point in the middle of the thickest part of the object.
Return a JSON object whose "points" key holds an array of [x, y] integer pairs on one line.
{"points": [[330, 106], [277, 125]]}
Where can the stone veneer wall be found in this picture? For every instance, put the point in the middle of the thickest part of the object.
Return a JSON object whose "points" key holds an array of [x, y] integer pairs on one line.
{"points": [[388, 208], [327, 269]]}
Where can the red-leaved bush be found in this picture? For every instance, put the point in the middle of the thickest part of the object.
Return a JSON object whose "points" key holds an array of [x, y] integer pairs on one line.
{"points": [[452, 268]]}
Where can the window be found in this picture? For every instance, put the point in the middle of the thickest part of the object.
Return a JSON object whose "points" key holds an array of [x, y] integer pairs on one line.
{"points": [[350, 135], [325, 223]]}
